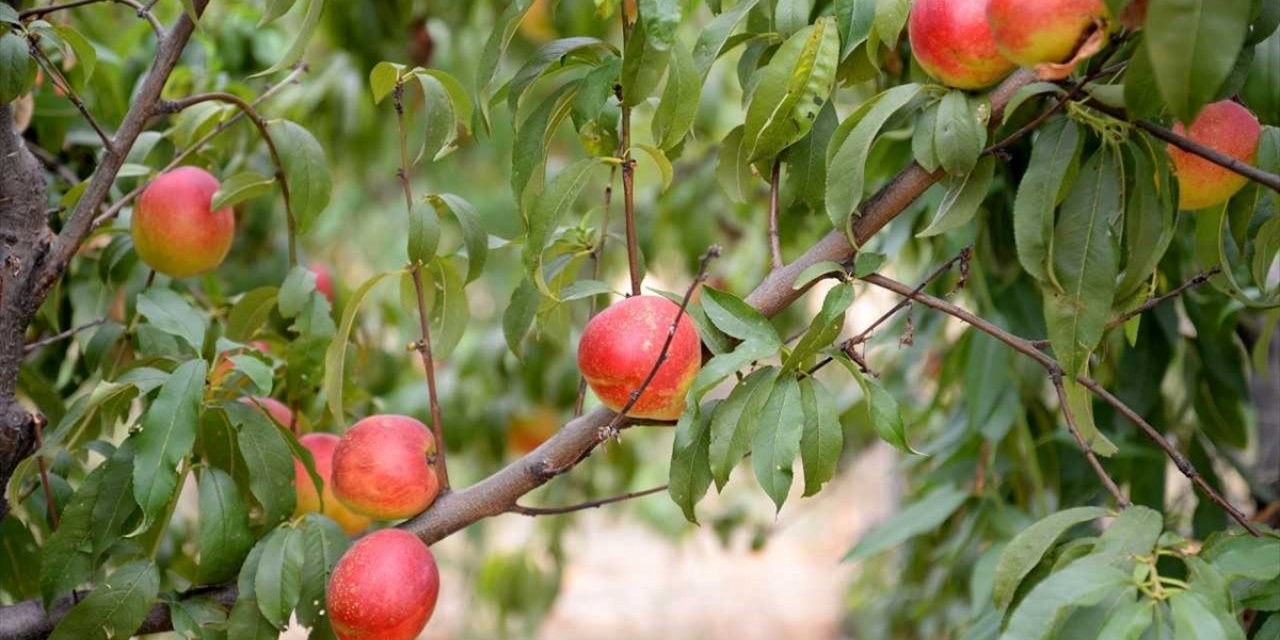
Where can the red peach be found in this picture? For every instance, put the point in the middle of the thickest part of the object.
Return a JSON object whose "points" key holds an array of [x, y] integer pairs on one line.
{"points": [[324, 280], [620, 346], [383, 588], [952, 42], [382, 468], [1225, 127], [174, 232], [1031, 33], [321, 446]]}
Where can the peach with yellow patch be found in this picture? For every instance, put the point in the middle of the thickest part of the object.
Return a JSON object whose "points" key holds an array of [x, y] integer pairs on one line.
{"points": [[383, 588], [953, 43], [174, 230], [1225, 127], [382, 468], [1032, 33], [322, 446]]}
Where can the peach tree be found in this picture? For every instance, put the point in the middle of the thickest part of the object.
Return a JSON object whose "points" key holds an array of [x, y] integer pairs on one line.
{"points": [[1073, 204]]}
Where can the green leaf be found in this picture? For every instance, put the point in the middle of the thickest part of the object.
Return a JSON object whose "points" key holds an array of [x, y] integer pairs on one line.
{"points": [[17, 69], [1133, 533], [519, 315], [806, 161], [1149, 223], [85, 53], [116, 608], [823, 437], [68, 557], [711, 42], [855, 19], [240, 188], [504, 29], [323, 543], [529, 153], [585, 289], [817, 271], [850, 146], [1025, 551], [1141, 95], [170, 313], [963, 198], [960, 131], [298, 287], [250, 312], [441, 123], [114, 506], [791, 91], [868, 262], [1193, 46], [1194, 618], [278, 581], [463, 104], [790, 16], [777, 439], [1243, 556], [450, 312], [335, 356], [921, 516], [881, 407], [1056, 147], [246, 620], [383, 79], [824, 328], [680, 99], [168, 433], [424, 234], [553, 53], [1128, 621], [690, 475], [733, 170], [643, 63], [9, 15], [1080, 401], [734, 422], [1083, 583], [891, 17], [1085, 261], [474, 236], [737, 318], [545, 216], [660, 161], [302, 37], [267, 456], [306, 169], [274, 10], [922, 135], [225, 536], [1027, 92]]}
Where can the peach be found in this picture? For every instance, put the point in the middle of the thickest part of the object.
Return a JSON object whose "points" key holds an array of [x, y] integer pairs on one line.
{"points": [[277, 410], [1225, 127], [620, 346], [384, 587], [383, 468], [174, 232], [952, 42], [529, 429], [324, 280], [321, 446], [1031, 33]]}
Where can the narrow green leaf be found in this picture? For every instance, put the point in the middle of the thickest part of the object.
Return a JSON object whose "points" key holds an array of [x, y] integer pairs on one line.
{"points": [[854, 19], [1056, 147], [711, 42], [441, 122], [474, 236], [660, 161], [881, 407], [733, 170], [168, 433], [643, 64], [850, 145], [323, 543], [1083, 583], [424, 234], [960, 131], [519, 315], [225, 536], [792, 89], [921, 516], [1025, 551], [734, 422], [552, 53], [240, 188], [1133, 533], [690, 474], [306, 169], [269, 462], [383, 79], [170, 313], [278, 581], [114, 609], [680, 99], [1129, 621], [824, 328], [823, 439], [737, 318], [816, 271], [335, 356], [250, 312], [545, 216], [302, 37], [963, 198], [1193, 46], [17, 69]]}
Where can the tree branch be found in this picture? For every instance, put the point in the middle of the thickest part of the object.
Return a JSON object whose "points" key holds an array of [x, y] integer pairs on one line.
{"points": [[593, 504], [629, 174], [60, 82], [32, 346], [1089, 455], [141, 11], [775, 242]]}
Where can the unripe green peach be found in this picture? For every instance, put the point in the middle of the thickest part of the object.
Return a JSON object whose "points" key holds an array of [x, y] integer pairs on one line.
{"points": [[1225, 127], [383, 588], [620, 346], [382, 468], [952, 42], [1032, 33], [174, 232]]}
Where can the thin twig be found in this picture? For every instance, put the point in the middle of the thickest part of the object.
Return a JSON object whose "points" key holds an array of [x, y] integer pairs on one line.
{"points": [[60, 81], [143, 12], [594, 504], [597, 266], [271, 91], [422, 346], [1027, 349], [775, 241], [32, 346], [1150, 304], [1069, 416], [629, 175], [53, 163], [175, 106], [38, 421]]}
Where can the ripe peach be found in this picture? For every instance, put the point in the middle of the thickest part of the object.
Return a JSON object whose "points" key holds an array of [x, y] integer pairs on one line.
{"points": [[382, 468], [529, 429], [952, 42], [1225, 127], [324, 280], [174, 232], [384, 587], [321, 446], [1031, 33], [620, 346]]}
